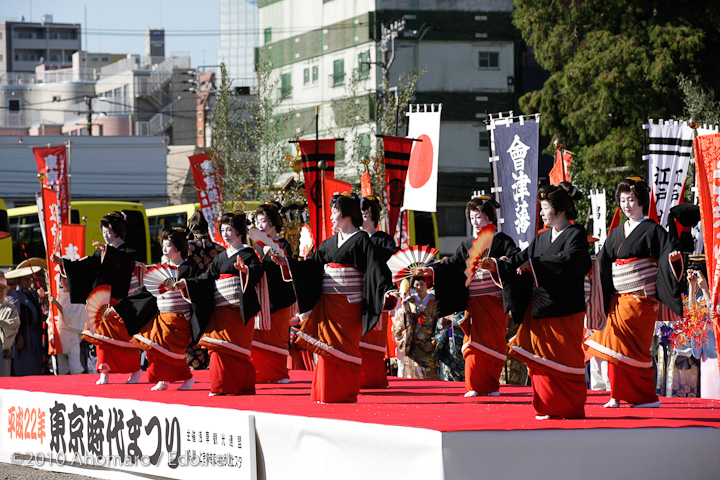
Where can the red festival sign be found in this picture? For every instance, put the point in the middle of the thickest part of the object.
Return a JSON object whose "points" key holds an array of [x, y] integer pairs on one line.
{"points": [[208, 183], [397, 159], [312, 152], [51, 220], [52, 163]]}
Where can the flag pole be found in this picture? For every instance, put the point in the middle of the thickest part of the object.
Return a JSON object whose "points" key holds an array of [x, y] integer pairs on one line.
{"points": [[69, 180]]}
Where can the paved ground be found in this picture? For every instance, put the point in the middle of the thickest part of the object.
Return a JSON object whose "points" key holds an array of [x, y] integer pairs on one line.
{"points": [[16, 472]]}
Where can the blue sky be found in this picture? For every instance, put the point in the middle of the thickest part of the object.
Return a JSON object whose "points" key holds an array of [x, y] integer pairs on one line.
{"points": [[191, 26]]}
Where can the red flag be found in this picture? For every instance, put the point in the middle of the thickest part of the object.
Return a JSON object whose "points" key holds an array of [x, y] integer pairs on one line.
{"points": [[366, 185], [73, 241], [312, 152], [561, 170], [707, 156], [652, 208], [615, 222], [208, 183], [51, 219], [397, 159], [52, 162], [332, 187]]}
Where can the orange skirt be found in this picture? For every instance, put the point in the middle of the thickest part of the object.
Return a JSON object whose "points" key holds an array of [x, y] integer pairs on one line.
{"points": [[484, 349], [114, 348], [227, 333], [373, 350], [270, 348]]}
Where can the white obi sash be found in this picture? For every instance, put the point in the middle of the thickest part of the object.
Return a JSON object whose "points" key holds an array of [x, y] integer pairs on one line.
{"points": [[228, 291], [483, 284], [343, 280], [636, 276], [172, 301]]}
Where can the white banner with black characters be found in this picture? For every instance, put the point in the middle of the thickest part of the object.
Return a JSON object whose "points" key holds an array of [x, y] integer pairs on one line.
{"points": [[514, 143], [598, 205], [669, 152], [88, 435]]}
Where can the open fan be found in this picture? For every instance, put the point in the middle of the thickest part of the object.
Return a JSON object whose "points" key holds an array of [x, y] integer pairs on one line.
{"points": [[97, 304], [160, 278], [480, 249], [263, 239], [306, 242], [402, 263]]}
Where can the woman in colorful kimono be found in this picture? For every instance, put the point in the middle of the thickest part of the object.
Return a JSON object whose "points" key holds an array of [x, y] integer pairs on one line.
{"points": [[415, 333], [344, 284], [230, 284], [165, 329], [485, 345], [550, 274], [640, 266], [373, 345], [113, 263], [270, 346]]}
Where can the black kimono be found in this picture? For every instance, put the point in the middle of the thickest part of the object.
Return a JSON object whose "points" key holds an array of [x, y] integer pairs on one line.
{"points": [[115, 269]]}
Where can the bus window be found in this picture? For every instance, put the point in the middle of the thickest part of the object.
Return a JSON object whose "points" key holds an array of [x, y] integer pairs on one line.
{"points": [[5, 243], [25, 230], [136, 235]]}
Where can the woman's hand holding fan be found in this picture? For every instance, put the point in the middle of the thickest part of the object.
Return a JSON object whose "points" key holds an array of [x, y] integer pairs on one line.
{"points": [[408, 261], [480, 250]]}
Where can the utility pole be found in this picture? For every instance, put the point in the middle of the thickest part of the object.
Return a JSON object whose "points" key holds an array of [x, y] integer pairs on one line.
{"points": [[88, 102]]}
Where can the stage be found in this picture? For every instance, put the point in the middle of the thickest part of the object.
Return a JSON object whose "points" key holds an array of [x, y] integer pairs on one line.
{"points": [[414, 428]]}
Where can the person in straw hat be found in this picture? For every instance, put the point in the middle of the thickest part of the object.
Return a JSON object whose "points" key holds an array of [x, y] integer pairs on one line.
{"points": [[9, 325], [28, 356]]}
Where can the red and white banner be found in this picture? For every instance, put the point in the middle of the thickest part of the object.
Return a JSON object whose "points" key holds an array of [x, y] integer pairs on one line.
{"points": [[312, 152], [402, 233], [707, 162], [51, 220], [72, 243], [397, 159], [366, 185], [421, 181], [208, 184], [561, 170], [52, 162], [332, 186]]}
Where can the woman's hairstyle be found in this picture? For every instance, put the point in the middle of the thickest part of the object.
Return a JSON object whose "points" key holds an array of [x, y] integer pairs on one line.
{"points": [[272, 212], [348, 204], [238, 221], [177, 237], [197, 223], [561, 198], [116, 222], [637, 187], [484, 204], [372, 205]]}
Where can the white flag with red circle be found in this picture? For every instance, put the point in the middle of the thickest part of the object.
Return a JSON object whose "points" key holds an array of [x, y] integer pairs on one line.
{"points": [[421, 180]]}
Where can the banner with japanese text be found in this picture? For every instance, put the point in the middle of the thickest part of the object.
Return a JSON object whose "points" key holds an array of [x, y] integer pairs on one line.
{"points": [[669, 152], [75, 434], [396, 158], [314, 151], [421, 180], [707, 163], [515, 164], [208, 184], [52, 163], [598, 207], [51, 221]]}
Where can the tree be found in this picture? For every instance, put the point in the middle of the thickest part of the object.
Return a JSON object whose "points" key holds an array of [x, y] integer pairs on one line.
{"points": [[613, 65]]}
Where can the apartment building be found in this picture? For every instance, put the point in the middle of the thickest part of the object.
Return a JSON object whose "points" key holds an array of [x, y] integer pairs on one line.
{"points": [[238, 40]]}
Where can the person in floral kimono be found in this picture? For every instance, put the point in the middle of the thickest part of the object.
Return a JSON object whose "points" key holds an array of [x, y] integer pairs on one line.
{"points": [[448, 347], [415, 330]]}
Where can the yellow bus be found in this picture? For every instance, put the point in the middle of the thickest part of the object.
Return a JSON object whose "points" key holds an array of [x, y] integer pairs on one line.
{"points": [[6, 259], [160, 218], [25, 227]]}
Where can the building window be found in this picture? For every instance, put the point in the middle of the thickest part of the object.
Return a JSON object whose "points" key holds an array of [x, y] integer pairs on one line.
{"points": [[363, 65], [14, 106], [268, 35], [488, 60], [338, 75], [306, 76], [451, 221], [484, 142], [315, 74], [285, 84]]}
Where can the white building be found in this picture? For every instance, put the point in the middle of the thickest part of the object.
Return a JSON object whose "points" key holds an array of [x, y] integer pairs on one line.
{"points": [[238, 40], [466, 47]]}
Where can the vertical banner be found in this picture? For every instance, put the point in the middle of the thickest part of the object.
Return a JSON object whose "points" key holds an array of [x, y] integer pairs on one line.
{"points": [[312, 152], [397, 158], [707, 160], [51, 220], [208, 183], [402, 234], [332, 186], [421, 181], [72, 242], [52, 162], [366, 184], [515, 158], [561, 170], [598, 206], [669, 151]]}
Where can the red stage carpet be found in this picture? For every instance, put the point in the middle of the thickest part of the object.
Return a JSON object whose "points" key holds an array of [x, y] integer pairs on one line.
{"points": [[433, 405], [415, 428]]}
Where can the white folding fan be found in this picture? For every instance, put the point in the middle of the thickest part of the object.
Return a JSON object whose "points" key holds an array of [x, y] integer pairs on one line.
{"points": [[402, 263], [97, 304], [160, 278], [263, 239], [306, 242]]}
